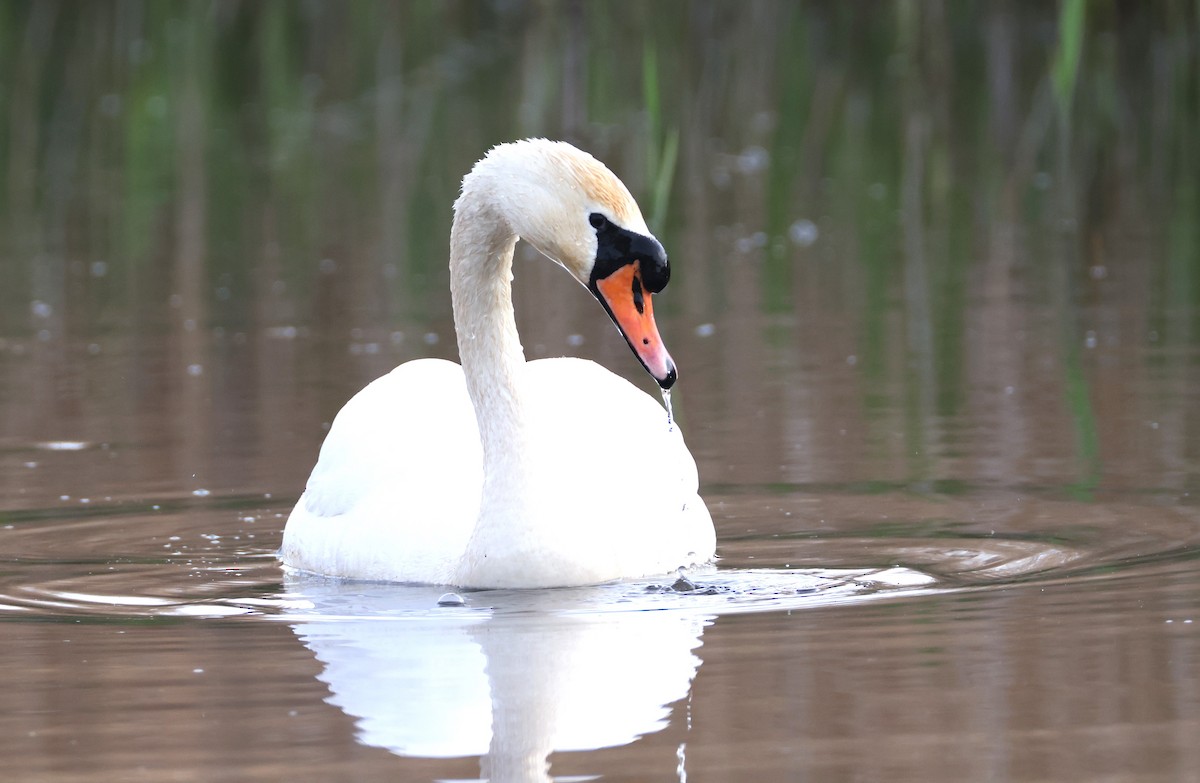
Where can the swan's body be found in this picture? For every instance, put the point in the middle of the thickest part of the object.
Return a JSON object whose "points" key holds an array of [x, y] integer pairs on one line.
{"points": [[502, 472]]}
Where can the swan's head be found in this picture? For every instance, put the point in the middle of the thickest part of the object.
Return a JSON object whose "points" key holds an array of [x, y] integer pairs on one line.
{"points": [[575, 211]]}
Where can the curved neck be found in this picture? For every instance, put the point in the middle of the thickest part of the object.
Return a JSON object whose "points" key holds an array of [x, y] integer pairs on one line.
{"points": [[481, 255]]}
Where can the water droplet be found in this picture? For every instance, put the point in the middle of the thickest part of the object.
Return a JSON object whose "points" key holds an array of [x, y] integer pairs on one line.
{"points": [[451, 599]]}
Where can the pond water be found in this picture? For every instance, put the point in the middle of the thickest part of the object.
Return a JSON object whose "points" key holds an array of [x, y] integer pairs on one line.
{"points": [[934, 301]]}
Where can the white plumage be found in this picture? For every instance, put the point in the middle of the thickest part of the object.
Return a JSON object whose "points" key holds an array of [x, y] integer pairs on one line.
{"points": [[502, 472]]}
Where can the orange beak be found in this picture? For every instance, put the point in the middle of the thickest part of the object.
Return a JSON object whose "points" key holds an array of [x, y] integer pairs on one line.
{"points": [[627, 301]]}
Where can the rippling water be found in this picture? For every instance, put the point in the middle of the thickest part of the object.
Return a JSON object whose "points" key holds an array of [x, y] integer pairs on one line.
{"points": [[935, 307], [154, 639]]}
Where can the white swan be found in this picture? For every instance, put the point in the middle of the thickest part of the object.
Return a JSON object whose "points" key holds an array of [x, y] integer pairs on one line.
{"points": [[502, 472]]}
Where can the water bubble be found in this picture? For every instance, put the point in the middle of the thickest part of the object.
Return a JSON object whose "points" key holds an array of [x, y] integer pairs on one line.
{"points": [[574, 340], [40, 309], [451, 599], [98, 268], [753, 159], [327, 266], [201, 493], [1089, 339], [803, 233], [705, 330], [195, 370], [431, 338]]}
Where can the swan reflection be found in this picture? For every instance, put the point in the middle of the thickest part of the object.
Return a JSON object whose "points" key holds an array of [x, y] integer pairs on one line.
{"points": [[511, 677]]}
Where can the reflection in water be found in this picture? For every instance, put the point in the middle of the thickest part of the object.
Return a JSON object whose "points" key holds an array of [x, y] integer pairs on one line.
{"points": [[511, 683]]}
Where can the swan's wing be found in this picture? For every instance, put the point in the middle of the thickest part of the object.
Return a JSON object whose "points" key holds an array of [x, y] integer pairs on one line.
{"points": [[628, 471], [395, 491]]}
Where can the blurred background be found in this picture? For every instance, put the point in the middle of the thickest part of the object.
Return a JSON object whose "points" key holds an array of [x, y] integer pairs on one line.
{"points": [[922, 244], [935, 302]]}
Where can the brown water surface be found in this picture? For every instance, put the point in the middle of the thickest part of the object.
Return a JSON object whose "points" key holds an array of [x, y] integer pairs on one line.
{"points": [[934, 303]]}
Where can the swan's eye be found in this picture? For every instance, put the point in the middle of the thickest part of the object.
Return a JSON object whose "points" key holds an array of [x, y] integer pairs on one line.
{"points": [[597, 220]]}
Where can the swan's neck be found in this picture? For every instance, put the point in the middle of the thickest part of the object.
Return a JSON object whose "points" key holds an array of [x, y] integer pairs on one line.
{"points": [[481, 255]]}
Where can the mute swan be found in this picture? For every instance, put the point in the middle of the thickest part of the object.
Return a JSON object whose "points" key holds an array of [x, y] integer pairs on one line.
{"points": [[502, 472]]}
